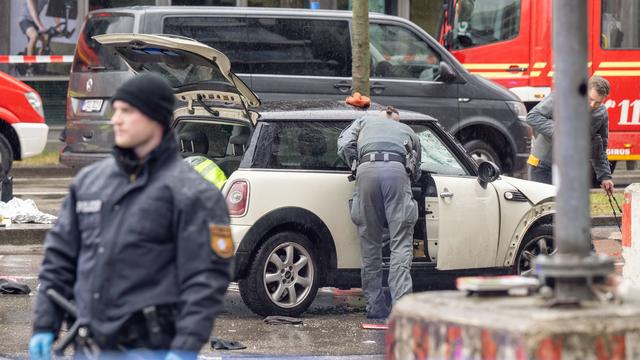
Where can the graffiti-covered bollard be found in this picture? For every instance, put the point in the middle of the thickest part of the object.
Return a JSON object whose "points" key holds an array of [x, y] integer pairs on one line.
{"points": [[631, 235], [452, 325]]}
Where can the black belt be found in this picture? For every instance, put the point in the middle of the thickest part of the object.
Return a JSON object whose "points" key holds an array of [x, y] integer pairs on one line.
{"points": [[379, 156]]}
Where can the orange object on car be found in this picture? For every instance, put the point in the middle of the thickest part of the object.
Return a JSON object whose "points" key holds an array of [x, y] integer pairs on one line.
{"points": [[358, 100]]}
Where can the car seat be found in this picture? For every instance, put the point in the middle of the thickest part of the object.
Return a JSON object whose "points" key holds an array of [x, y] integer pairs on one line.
{"points": [[193, 143], [238, 140]]}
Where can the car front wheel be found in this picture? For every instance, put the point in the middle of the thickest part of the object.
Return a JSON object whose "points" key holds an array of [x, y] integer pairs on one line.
{"points": [[538, 241], [283, 278]]}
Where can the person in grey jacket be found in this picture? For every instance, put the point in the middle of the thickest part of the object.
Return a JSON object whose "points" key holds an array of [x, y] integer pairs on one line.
{"points": [[540, 118], [383, 196], [142, 243]]}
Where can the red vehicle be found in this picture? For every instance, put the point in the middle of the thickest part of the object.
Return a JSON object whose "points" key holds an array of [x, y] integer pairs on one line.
{"points": [[509, 41], [23, 132]]}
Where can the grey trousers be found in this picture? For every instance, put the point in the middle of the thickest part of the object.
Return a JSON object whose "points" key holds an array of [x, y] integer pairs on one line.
{"points": [[383, 197]]}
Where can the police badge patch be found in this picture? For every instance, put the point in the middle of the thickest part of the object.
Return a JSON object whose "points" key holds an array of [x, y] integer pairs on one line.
{"points": [[221, 242]]}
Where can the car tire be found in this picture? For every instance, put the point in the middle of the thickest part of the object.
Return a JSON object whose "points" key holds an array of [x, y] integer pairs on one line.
{"points": [[538, 240], [6, 156], [480, 151], [267, 288]]}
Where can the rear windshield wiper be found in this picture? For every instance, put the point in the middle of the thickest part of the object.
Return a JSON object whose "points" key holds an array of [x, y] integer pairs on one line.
{"points": [[96, 67], [206, 107]]}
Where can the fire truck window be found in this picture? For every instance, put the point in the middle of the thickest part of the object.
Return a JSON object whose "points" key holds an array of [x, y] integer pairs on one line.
{"points": [[485, 22], [620, 25], [398, 53]]}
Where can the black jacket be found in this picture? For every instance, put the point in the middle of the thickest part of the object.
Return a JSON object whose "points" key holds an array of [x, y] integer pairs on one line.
{"points": [[540, 118], [131, 235]]}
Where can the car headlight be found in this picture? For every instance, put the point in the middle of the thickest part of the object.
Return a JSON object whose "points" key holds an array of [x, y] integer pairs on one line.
{"points": [[35, 102], [518, 109]]}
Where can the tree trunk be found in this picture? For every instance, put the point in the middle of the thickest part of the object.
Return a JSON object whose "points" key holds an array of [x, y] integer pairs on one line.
{"points": [[360, 47]]}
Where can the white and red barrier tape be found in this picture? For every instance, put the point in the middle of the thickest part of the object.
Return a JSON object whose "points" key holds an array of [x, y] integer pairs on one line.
{"points": [[35, 59]]}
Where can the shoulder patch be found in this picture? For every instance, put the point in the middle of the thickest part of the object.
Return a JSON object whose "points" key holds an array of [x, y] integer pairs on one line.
{"points": [[221, 241]]}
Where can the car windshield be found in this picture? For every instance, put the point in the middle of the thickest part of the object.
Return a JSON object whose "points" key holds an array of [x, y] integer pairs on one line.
{"points": [[436, 157]]}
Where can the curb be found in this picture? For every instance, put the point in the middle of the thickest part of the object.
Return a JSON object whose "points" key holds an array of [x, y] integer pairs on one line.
{"points": [[44, 171], [606, 221], [24, 234]]}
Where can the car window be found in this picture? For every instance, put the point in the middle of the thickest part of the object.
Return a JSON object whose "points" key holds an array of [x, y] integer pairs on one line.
{"points": [[398, 53], [436, 156], [485, 22], [300, 145], [205, 137], [226, 34], [620, 25], [299, 47]]}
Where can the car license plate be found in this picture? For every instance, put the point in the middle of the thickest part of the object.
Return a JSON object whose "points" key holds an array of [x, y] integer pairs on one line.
{"points": [[91, 105]]}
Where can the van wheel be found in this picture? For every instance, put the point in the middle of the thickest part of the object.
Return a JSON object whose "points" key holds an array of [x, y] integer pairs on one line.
{"points": [[283, 278], [6, 156], [480, 151], [538, 241]]}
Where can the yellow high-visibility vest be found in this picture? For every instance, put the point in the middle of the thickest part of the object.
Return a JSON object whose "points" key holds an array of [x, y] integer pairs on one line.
{"points": [[208, 169]]}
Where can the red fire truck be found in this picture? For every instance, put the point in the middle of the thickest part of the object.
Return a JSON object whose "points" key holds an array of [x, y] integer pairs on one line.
{"points": [[509, 41]]}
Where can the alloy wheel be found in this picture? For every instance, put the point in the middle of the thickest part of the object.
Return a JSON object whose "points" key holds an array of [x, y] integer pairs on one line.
{"points": [[288, 275]]}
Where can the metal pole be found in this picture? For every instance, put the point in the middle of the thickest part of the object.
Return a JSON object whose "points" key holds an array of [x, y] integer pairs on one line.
{"points": [[573, 268], [571, 140]]}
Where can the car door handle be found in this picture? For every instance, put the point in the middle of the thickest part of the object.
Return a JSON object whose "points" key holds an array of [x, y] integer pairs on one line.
{"points": [[344, 87], [446, 194]]}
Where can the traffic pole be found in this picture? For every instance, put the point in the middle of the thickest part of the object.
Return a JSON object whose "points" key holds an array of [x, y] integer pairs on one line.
{"points": [[573, 269]]}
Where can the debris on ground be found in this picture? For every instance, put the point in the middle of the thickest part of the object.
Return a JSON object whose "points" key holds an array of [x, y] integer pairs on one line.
{"points": [[374, 326], [24, 211], [13, 288], [221, 344], [279, 320]]}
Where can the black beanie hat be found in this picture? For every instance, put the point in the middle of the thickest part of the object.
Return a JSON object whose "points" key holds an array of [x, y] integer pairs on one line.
{"points": [[149, 93]]}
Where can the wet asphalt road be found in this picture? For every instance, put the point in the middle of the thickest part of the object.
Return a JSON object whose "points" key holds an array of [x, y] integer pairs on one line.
{"points": [[331, 326]]}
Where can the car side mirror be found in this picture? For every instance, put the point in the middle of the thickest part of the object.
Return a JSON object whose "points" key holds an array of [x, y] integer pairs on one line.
{"points": [[487, 172], [446, 73]]}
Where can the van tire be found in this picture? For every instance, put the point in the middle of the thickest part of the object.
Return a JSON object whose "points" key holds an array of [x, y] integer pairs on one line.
{"points": [[480, 151], [6, 156], [262, 296]]}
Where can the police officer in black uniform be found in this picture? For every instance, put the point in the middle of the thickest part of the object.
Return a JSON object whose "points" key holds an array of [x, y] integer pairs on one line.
{"points": [[142, 243]]}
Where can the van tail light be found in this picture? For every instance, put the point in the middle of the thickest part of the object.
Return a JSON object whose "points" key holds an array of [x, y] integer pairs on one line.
{"points": [[238, 198]]}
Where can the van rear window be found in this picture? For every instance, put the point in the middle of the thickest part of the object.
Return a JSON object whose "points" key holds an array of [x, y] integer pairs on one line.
{"points": [[90, 55]]}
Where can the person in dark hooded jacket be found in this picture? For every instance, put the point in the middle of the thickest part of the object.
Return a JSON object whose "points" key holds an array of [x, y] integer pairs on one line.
{"points": [[142, 243]]}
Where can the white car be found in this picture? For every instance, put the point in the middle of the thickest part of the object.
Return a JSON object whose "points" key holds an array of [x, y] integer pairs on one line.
{"points": [[288, 191]]}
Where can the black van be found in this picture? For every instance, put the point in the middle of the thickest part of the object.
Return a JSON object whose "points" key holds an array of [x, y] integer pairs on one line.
{"points": [[294, 54]]}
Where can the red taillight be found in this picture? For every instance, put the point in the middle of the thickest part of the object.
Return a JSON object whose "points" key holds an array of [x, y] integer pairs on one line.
{"points": [[237, 198]]}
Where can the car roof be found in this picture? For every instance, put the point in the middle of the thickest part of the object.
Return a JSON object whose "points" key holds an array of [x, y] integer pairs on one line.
{"points": [[260, 11], [313, 110]]}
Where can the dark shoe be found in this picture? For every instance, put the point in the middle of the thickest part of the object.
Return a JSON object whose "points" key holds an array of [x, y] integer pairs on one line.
{"points": [[378, 316]]}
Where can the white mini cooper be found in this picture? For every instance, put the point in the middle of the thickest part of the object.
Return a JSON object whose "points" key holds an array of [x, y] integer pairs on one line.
{"points": [[288, 191]]}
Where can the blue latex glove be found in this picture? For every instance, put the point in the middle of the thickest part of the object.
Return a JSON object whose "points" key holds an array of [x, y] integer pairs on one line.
{"points": [[40, 346], [175, 355]]}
